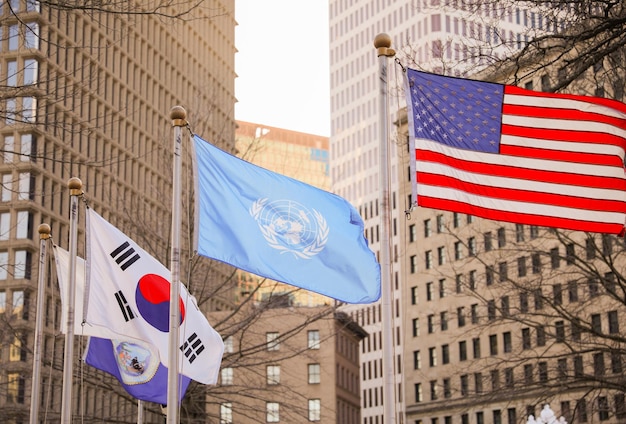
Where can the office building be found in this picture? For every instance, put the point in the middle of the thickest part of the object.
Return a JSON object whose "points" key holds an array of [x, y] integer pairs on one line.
{"points": [[304, 365], [451, 37], [88, 93]]}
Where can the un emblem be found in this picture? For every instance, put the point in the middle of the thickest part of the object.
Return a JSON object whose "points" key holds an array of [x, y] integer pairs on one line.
{"points": [[290, 227]]}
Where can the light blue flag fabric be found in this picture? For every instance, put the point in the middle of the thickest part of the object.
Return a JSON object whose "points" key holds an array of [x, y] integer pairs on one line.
{"points": [[283, 229]]}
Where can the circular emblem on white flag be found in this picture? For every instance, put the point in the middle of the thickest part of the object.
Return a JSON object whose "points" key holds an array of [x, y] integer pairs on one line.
{"points": [[136, 361], [290, 227]]}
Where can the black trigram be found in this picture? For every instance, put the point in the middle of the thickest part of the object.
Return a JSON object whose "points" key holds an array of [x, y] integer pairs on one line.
{"points": [[124, 306], [192, 347], [125, 255]]}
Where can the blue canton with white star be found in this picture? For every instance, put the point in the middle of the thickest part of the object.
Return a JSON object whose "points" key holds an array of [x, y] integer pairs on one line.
{"points": [[457, 112]]}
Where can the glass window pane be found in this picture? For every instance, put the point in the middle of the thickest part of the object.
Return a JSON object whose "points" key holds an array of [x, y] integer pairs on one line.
{"points": [[31, 70], [5, 225], [7, 187], [12, 73]]}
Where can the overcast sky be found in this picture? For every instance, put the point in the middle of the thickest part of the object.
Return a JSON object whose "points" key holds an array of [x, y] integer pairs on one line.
{"points": [[282, 64]]}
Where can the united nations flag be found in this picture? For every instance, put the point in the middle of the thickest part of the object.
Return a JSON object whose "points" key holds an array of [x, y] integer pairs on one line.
{"points": [[283, 229]]}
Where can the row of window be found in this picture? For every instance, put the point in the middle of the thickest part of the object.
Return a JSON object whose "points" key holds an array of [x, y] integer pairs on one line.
{"points": [[272, 339], [593, 286], [580, 413], [530, 374], [272, 411]]}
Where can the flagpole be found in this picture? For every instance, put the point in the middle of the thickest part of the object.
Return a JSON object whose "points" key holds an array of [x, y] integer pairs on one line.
{"points": [[75, 185], [178, 116], [382, 42], [44, 235]]}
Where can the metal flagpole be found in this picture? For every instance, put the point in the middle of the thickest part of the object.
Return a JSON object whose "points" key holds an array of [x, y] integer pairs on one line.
{"points": [[140, 412], [179, 120], [75, 185], [44, 235], [382, 42]]}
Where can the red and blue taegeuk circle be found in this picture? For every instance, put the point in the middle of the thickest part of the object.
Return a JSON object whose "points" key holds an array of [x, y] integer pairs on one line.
{"points": [[153, 301]]}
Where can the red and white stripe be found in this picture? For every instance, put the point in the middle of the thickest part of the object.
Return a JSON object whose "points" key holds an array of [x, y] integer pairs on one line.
{"points": [[561, 164]]}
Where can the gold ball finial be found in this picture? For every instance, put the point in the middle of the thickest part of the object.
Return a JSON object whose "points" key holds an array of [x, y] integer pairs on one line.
{"points": [[44, 231], [179, 116], [382, 40], [75, 183], [76, 186]]}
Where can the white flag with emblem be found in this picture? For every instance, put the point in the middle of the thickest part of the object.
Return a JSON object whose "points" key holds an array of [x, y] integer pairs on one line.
{"points": [[129, 293]]}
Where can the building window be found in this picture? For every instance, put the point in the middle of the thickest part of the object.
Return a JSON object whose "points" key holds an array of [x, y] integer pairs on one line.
{"points": [[273, 374], [416, 327], [491, 310], [519, 232], [572, 291], [431, 324], [315, 410], [443, 320], [507, 344], [427, 228], [542, 368], [441, 255], [590, 248], [417, 360], [613, 322], [495, 379], [555, 259], [314, 373], [521, 267], [471, 246], [442, 288], [313, 339], [445, 354], [541, 335], [523, 302], [414, 297], [429, 291], [603, 408], [412, 233], [557, 294], [15, 388], [503, 271], [538, 296], [596, 323], [226, 413], [440, 224], [559, 331], [413, 264], [528, 374], [458, 250], [478, 382], [534, 232], [446, 388], [578, 366], [598, 364], [526, 344], [561, 367], [464, 385], [433, 390], [493, 345], [487, 240], [616, 362], [272, 414], [570, 253], [474, 313], [480, 418], [536, 263], [476, 347], [462, 350], [505, 306], [511, 416], [472, 279], [272, 340], [460, 314], [428, 259], [459, 283], [497, 416], [489, 275], [227, 376], [432, 357], [418, 392], [581, 410], [501, 237]]}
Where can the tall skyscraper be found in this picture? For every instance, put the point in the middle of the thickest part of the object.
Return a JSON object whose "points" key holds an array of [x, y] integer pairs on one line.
{"points": [[443, 36], [88, 92]]}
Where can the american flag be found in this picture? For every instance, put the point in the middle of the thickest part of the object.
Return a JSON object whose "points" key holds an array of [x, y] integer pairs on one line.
{"points": [[509, 154]]}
